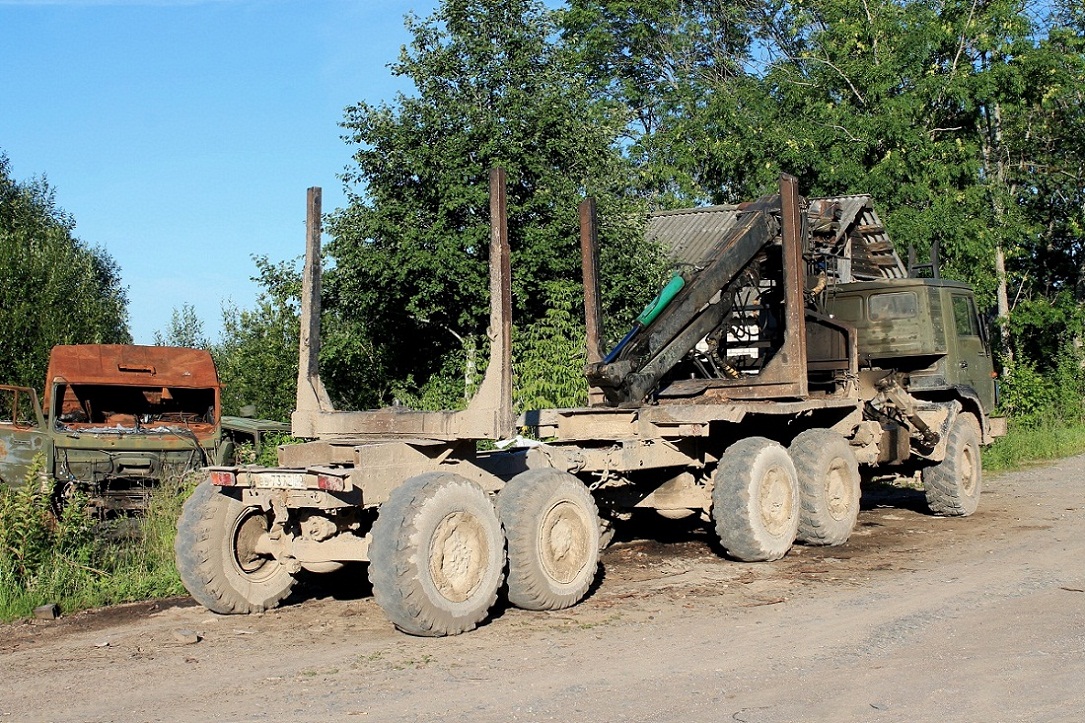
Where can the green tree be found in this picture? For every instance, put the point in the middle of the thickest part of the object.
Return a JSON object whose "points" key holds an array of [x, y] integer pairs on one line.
{"points": [[185, 329], [663, 60], [410, 250], [257, 356], [54, 288]]}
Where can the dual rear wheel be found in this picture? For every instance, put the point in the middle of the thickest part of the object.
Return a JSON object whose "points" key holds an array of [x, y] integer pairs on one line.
{"points": [[438, 555], [765, 496]]}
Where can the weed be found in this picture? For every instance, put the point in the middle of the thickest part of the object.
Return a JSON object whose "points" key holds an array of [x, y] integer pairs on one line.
{"points": [[75, 560]]}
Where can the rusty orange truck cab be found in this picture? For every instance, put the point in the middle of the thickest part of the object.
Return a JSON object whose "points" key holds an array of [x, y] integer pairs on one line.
{"points": [[116, 419]]}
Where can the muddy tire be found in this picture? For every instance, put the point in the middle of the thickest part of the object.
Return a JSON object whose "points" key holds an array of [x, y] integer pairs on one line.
{"points": [[438, 555], [216, 536], [953, 485], [755, 500], [553, 530], [828, 487]]}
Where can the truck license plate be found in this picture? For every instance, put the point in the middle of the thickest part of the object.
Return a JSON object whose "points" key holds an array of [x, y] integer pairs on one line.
{"points": [[280, 480]]}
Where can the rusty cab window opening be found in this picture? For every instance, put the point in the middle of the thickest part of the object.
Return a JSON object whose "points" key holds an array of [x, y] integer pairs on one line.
{"points": [[132, 406], [16, 409]]}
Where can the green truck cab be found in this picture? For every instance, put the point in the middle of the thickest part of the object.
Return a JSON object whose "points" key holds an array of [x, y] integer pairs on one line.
{"points": [[928, 329]]}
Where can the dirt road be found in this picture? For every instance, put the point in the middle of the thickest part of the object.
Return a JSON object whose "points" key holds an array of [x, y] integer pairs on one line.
{"points": [[917, 618]]}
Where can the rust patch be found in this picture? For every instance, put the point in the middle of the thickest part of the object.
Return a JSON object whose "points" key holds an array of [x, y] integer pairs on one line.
{"points": [[125, 364]]}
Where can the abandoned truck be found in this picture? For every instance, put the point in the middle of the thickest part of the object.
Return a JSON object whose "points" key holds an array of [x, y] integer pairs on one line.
{"points": [[118, 419], [792, 348]]}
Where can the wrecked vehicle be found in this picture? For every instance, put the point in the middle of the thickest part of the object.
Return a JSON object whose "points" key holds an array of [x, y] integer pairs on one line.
{"points": [[118, 419]]}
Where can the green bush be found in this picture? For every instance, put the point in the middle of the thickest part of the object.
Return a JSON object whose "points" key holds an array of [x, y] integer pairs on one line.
{"points": [[549, 355], [78, 561]]}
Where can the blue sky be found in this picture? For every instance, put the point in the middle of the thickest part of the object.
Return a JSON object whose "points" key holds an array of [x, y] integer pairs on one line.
{"points": [[182, 135]]}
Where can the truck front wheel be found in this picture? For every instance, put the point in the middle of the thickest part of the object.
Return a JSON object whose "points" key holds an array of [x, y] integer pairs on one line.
{"points": [[953, 485], [552, 526], [828, 486], [216, 554], [438, 555], [755, 500]]}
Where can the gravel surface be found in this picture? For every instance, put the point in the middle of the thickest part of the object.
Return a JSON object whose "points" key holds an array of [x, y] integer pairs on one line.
{"points": [[916, 618]]}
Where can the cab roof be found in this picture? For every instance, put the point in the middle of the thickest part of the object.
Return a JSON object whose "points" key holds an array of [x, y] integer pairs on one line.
{"points": [[131, 365]]}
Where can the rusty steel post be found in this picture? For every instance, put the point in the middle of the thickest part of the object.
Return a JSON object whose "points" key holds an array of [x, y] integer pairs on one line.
{"points": [[589, 261], [793, 353], [311, 395], [489, 414]]}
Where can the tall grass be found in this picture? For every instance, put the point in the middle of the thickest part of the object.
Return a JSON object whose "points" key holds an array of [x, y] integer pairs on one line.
{"points": [[1051, 438], [1046, 407], [77, 561]]}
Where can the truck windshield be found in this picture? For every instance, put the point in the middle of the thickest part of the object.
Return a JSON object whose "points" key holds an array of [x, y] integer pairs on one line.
{"points": [[135, 407]]}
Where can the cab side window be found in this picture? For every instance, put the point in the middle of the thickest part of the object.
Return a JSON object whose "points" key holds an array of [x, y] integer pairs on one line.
{"points": [[895, 305], [964, 316], [17, 408], [849, 308]]}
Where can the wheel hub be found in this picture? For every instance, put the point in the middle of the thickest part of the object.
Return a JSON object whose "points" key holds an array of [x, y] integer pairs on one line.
{"points": [[458, 554], [837, 491], [250, 528], [968, 472], [777, 503], [563, 542]]}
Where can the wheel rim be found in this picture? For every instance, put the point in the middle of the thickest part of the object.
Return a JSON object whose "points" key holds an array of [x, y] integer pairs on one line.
{"points": [[564, 542], [777, 501], [968, 471], [251, 525], [459, 550], [837, 490]]}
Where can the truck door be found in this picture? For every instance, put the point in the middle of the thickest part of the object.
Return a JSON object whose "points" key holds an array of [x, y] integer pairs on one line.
{"points": [[22, 434], [973, 363]]}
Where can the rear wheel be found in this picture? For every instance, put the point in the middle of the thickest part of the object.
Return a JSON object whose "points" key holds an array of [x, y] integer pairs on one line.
{"points": [[217, 558], [553, 530], [953, 485], [755, 500], [828, 487], [438, 555]]}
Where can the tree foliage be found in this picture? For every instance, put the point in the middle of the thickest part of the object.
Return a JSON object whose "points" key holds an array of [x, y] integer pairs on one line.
{"points": [[257, 356], [411, 250], [54, 288], [185, 329]]}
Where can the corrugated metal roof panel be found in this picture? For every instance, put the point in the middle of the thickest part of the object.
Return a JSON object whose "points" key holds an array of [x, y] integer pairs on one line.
{"points": [[690, 233], [858, 235]]}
